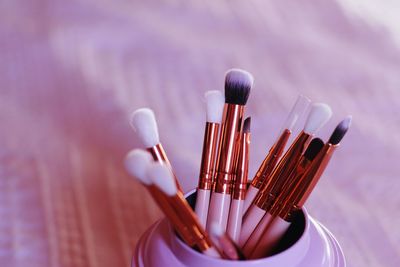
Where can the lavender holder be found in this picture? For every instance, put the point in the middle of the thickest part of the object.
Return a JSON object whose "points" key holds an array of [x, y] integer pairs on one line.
{"points": [[307, 243]]}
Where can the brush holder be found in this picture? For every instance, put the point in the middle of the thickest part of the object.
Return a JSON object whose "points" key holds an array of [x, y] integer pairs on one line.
{"points": [[306, 244]]}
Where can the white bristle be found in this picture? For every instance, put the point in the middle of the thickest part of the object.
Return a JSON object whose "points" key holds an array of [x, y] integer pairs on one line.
{"points": [[240, 76], [215, 101], [136, 163], [216, 229], [319, 114], [162, 177], [144, 123]]}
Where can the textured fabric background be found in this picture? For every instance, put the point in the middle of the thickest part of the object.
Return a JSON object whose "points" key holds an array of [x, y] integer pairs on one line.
{"points": [[72, 71]]}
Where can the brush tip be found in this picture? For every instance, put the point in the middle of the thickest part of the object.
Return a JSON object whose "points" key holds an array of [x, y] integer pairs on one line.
{"points": [[136, 164], [319, 114], [246, 125], [313, 148], [340, 131], [215, 102], [143, 122], [162, 177], [238, 84]]}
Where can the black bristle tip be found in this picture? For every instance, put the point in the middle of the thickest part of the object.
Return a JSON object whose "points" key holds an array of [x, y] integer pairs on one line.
{"points": [[238, 84], [246, 125], [340, 131], [313, 148]]}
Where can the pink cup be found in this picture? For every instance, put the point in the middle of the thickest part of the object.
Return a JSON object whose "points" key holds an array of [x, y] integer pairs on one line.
{"points": [[306, 244]]}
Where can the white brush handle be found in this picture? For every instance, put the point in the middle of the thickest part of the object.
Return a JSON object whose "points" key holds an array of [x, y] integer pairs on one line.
{"points": [[250, 221], [270, 238], [212, 252], [202, 204], [250, 196], [251, 243], [219, 210], [235, 219]]}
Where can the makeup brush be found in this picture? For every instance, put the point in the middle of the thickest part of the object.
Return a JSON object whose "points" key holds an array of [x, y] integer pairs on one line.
{"points": [[163, 178], [137, 162], [239, 190], [275, 152], [143, 122], [237, 88], [215, 105], [318, 116], [225, 243], [299, 193], [311, 152]]}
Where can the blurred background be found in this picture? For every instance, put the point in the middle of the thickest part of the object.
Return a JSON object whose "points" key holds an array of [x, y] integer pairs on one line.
{"points": [[71, 72]]}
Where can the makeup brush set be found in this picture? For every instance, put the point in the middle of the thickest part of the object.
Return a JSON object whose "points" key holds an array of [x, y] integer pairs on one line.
{"points": [[233, 218]]}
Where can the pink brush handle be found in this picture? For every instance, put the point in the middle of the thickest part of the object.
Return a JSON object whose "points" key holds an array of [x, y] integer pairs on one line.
{"points": [[250, 221], [219, 210], [270, 238], [235, 219], [250, 196], [251, 243], [202, 204]]}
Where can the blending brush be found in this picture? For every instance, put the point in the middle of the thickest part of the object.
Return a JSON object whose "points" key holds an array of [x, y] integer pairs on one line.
{"points": [[298, 192], [275, 152], [137, 162], [237, 88], [225, 243], [163, 178], [239, 190], [318, 116], [215, 104], [311, 152], [144, 123]]}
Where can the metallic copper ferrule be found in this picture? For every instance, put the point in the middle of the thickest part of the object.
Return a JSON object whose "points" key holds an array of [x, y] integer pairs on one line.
{"points": [[273, 186], [198, 237], [159, 155], [240, 187], [207, 166], [289, 186], [225, 171], [307, 182], [270, 161]]}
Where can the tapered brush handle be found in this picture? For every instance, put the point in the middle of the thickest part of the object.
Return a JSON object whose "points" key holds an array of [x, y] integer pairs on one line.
{"points": [[250, 196], [219, 210], [250, 221], [202, 204], [252, 241], [235, 219]]}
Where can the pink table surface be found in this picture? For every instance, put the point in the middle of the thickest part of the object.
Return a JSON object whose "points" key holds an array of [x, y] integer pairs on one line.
{"points": [[72, 71]]}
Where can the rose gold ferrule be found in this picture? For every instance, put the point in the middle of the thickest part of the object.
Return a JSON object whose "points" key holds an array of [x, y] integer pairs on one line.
{"points": [[240, 187], [159, 155], [197, 235], [208, 157], [305, 185], [273, 186], [269, 163], [227, 149]]}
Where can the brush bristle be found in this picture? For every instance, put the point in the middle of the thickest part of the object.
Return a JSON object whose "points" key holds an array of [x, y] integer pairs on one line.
{"points": [[162, 177], [144, 123], [246, 125], [215, 102], [319, 114], [340, 131], [238, 84], [313, 148], [136, 164]]}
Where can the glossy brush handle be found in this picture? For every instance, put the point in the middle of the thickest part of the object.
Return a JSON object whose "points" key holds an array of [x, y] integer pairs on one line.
{"points": [[250, 196], [202, 204], [250, 221], [270, 238], [251, 243], [235, 219], [219, 210]]}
